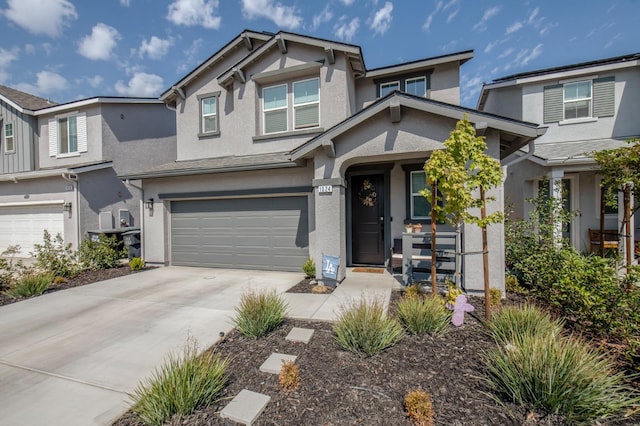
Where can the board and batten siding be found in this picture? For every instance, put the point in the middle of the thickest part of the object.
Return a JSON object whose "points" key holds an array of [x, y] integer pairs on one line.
{"points": [[603, 100], [22, 159]]}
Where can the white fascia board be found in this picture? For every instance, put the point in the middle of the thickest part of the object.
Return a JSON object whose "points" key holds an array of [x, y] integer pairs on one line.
{"points": [[32, 203], [95, 101], [89, 168], [15, 105], [17, 177]]}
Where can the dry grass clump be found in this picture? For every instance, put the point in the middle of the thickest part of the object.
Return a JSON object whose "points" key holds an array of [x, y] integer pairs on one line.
{"points": [[319, 289], [289, 377], [419, 408]]}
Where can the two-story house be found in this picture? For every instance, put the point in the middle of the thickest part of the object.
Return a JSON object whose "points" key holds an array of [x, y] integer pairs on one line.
{"points": [[289, 147], [587, 107], [59, 164]]}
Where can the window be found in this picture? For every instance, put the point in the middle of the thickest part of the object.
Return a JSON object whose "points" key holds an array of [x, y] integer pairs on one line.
{"points": [[67, 135], [420, 207], [209, 108], [577, 100], [386, 88], [8, 138], [274, 105], [416, 86], [306, 103]]}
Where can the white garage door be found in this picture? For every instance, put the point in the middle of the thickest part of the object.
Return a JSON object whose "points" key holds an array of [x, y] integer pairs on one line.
{"points": [[25, 225], [253, 233]]}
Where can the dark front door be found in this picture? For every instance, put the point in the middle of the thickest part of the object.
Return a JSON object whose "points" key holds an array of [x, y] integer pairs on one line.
{"points": [[367, 219]]}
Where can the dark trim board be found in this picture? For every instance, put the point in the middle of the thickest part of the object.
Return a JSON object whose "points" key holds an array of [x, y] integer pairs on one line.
{"points": [[236, 193]]}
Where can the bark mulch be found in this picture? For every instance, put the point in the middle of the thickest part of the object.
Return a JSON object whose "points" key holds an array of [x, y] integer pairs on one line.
{"points": [[342, 388]]}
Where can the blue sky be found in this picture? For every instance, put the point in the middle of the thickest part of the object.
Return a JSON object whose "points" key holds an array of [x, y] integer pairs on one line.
{"points": [[70, 49]]}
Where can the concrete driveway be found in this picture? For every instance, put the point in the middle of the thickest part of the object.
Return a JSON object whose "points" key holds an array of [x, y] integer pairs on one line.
{"points": [[71, 357]]}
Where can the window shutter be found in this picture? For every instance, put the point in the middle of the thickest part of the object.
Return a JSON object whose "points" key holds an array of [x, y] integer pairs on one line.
{"points": [[81, 127], [53, 137], [604, 97], [553, 103], [307, 116]]}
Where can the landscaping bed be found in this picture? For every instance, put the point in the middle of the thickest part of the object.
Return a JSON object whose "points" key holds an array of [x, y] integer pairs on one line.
{"points": [[342, 388]]}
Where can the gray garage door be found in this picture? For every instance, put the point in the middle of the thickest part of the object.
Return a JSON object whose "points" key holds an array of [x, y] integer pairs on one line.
{"points": [[248, 233]]}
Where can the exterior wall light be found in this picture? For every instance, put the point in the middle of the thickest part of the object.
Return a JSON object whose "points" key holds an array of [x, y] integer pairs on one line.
{"points": [[149, 204], [66, 207]]}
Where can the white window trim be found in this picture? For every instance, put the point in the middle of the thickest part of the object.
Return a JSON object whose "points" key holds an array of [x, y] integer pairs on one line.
{"points": [[264, 110], [82, 133], [69, 152], [574, 193], [305, 104], [216, 114], [565, 101], [389, 83], [414, 194], [13, 138], [423, 78]]}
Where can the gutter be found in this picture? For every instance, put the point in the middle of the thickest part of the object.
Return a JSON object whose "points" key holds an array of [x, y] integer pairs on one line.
{"points": [[73, 178]]}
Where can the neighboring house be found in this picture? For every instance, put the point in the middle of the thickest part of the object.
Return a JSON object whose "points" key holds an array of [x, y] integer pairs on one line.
{"points": [[60, 163], [586, 107], [289, 147]]}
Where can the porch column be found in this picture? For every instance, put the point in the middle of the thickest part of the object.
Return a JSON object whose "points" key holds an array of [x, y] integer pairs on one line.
{"points": [[330, 223], [555, 192]]}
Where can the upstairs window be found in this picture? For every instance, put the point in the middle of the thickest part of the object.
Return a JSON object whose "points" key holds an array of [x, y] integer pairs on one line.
{"points": [[306, 103], [67, 135], [416, 86], [209, 124], [274, 106], [577, 100], [386, 88], [420, 207], [8, 138]]}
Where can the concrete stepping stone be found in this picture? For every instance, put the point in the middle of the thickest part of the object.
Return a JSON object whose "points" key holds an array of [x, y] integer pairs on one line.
{"points": [[298, 334], [273, 364], [245, 407]]}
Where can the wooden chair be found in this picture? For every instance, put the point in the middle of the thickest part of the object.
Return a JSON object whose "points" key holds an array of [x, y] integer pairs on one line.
{"points": [[611, 240]]}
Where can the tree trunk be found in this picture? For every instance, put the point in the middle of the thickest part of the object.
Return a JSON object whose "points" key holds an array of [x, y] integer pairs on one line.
{"points": [[434, 285], [627, 219]]}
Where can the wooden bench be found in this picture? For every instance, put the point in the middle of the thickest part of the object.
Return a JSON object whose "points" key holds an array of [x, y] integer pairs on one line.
{"points": [[611, 240]]}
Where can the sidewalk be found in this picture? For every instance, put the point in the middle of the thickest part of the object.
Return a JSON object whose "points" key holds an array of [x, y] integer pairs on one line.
{"points": [[326, 307]]}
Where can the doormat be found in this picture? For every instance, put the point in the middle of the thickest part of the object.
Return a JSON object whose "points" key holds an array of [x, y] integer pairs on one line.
{"points": [[370, 270]]}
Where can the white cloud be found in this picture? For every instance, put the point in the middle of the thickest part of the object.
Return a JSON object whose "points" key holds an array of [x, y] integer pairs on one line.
{"points": [[506, 52], [614, 39], [450, 45], [489, 47], [382, 19], [450, 4], [282, 16], [347, 2], [514, 27], [94, 81], [155, 47], [8, 56], [429, 20], [48, 17], [141, 84], [524, 56], [532, 16], [48, 48], [125, 3], [191, 13], [325, 16], [452, 15], [346, 30], [470, 88], [47, 82], [481, 25], [100, 44], [190, 55], [29, 49], [537, 51]]}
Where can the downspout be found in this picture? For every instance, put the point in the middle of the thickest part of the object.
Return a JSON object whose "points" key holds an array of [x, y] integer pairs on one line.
{"points": [[141, 207], [73, 178]]}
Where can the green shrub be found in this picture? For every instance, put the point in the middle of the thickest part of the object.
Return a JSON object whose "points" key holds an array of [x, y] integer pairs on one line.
{"points": [[363, 327], [136, 264], [413, 290], [56, 257], [560, 375], [180, 385], [259, 312], [424, 315], [102, 254], [9, 270], [30, 284], [513, 322], [309, 268]]}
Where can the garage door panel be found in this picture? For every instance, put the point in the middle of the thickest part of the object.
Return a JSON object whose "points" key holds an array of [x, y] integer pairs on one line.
{"points": [[25, 225], [254, 233]]}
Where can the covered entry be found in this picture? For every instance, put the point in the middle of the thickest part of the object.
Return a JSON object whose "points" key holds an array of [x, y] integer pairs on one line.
{"points": [[270, 233]]}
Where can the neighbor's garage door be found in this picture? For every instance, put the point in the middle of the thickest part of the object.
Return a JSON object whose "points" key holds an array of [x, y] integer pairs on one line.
{"points": [[248, 233], [25, 225]]}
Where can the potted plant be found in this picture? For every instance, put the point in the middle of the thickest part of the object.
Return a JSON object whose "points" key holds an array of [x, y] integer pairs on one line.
{"points": [[417, 227], [408, 228]]}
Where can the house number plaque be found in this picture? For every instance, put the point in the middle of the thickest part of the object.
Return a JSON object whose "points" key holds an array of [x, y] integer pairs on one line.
{"points": [[325, 189]]}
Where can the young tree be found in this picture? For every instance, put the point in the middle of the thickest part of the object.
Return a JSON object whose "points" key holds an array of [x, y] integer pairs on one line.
{"points": [[620, 172], [463, 173]]}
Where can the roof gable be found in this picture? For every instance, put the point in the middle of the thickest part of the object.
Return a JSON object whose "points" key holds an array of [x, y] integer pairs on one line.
{"points": [[23, 101]]}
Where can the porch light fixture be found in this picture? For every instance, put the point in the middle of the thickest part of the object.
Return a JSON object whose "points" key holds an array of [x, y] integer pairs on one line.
{"points": [[66, 207], [149, 204]]}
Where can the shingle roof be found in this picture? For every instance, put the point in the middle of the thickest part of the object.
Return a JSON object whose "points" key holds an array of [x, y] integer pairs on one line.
{"points": [[575, 150], [25, 100]]}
